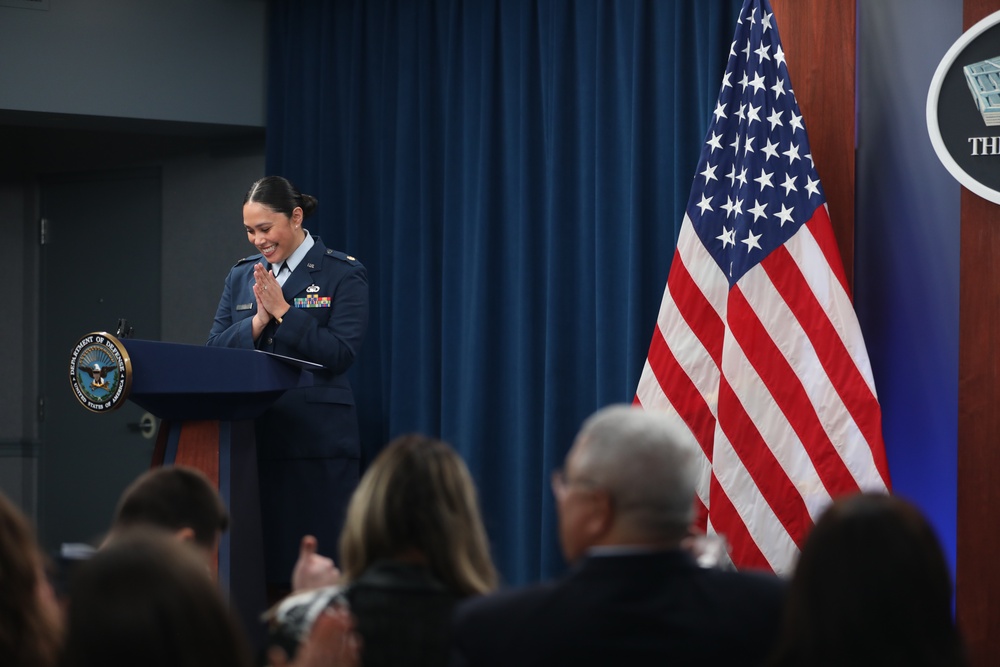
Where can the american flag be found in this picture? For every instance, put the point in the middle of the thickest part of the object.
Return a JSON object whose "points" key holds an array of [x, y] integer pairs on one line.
{"points": [[757, 349]]}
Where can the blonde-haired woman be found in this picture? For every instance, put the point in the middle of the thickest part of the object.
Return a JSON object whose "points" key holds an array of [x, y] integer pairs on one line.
{"points": [[413, 544], [417, 503]]}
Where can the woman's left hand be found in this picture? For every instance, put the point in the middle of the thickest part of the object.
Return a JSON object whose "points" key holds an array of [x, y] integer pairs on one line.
{"points": [[268, 292]]}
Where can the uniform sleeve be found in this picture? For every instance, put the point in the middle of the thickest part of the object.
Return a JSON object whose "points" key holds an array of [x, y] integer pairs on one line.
{"points": [[336, 343], [225, 331]]}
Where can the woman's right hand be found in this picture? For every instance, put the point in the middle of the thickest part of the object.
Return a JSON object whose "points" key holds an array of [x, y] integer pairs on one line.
{"points": [[261, 318]]}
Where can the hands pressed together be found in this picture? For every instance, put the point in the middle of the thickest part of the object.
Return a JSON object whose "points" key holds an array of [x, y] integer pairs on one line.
{"points": [[271, 302]]}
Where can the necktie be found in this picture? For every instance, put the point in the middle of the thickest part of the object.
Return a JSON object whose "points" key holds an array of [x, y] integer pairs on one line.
{"points": [[283, 273]]}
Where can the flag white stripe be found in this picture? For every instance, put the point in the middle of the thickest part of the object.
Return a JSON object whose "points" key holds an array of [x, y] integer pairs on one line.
{"points": [[701, 266]]}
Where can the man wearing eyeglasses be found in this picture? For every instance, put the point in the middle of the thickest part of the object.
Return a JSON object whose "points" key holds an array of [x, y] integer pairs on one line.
{"points": [[634, 596]]}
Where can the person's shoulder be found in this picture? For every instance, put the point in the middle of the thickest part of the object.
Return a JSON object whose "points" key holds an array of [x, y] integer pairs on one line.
{"points": [[763, 590], [335, 255], [501, 603], [248, 260], [748, 578], [244, 267], [338, 256], [487, 629]]}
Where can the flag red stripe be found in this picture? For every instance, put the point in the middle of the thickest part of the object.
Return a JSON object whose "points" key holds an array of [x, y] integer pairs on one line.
{"points": [[727, 521], [787, 391], [696, 309], [681, 392], [768, 476], [834, 357], [822, 231]]}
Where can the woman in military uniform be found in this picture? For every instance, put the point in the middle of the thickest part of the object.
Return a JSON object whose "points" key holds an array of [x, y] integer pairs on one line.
{"points": [[298, 298]]}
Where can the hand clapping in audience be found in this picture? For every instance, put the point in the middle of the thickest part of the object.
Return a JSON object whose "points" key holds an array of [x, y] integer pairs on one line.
{"points": [[311, 569], [332, 642]]}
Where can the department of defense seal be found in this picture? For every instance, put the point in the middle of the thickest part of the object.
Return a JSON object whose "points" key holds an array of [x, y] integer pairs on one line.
{"points": [[965, 130], [100, 372]]}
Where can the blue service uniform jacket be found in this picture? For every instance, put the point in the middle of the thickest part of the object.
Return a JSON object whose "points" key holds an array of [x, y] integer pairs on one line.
{"points": [[308, 447]]}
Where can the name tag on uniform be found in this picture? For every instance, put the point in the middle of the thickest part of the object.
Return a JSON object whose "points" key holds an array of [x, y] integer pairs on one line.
{"points": [[244, 306], [312, 302]]}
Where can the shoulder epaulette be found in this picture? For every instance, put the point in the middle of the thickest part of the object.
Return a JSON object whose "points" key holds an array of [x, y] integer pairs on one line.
{"points": [[251, 258], [336, 254]]}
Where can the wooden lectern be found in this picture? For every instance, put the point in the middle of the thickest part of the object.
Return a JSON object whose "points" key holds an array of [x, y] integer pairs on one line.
{"points": [[207, 399]]}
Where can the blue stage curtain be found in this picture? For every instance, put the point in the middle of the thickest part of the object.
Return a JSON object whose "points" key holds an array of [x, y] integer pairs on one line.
{"points": [[513, 174]]}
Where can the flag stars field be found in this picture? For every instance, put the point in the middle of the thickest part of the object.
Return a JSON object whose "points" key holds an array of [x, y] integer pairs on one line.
{"points": [[763, 94]]}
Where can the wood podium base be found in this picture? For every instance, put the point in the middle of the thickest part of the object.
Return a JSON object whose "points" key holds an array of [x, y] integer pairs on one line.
{"points": [[226, 452]]}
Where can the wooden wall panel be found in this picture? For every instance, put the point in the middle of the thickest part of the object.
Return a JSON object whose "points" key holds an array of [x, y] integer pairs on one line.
{"points": [[818, 37], [978, 578]]}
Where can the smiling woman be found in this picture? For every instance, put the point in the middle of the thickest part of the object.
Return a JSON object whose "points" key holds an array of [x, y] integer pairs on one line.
{"points": [[300, 299]]}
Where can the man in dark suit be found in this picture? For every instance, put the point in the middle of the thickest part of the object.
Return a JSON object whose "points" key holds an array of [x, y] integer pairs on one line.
{"points": [[634, 596]]}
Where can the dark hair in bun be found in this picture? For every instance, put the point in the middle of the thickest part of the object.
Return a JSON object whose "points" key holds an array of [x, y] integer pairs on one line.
{"points": [[278, 194]]}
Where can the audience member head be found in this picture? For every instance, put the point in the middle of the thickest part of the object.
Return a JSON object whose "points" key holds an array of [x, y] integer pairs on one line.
{"points": [[30, 620], [629, 478], [279, 195], [417, 502], [871, 588], [176, 499], [148, 600]]}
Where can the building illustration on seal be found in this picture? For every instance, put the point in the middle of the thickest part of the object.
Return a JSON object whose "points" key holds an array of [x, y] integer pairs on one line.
{"points": [[984, 83]]}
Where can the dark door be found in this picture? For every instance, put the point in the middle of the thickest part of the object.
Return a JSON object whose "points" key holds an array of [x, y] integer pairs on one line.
{"points": [[100, 262]]}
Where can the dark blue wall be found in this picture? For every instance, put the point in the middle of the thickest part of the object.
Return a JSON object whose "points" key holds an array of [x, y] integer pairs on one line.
{"points": [[907, 250]]}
